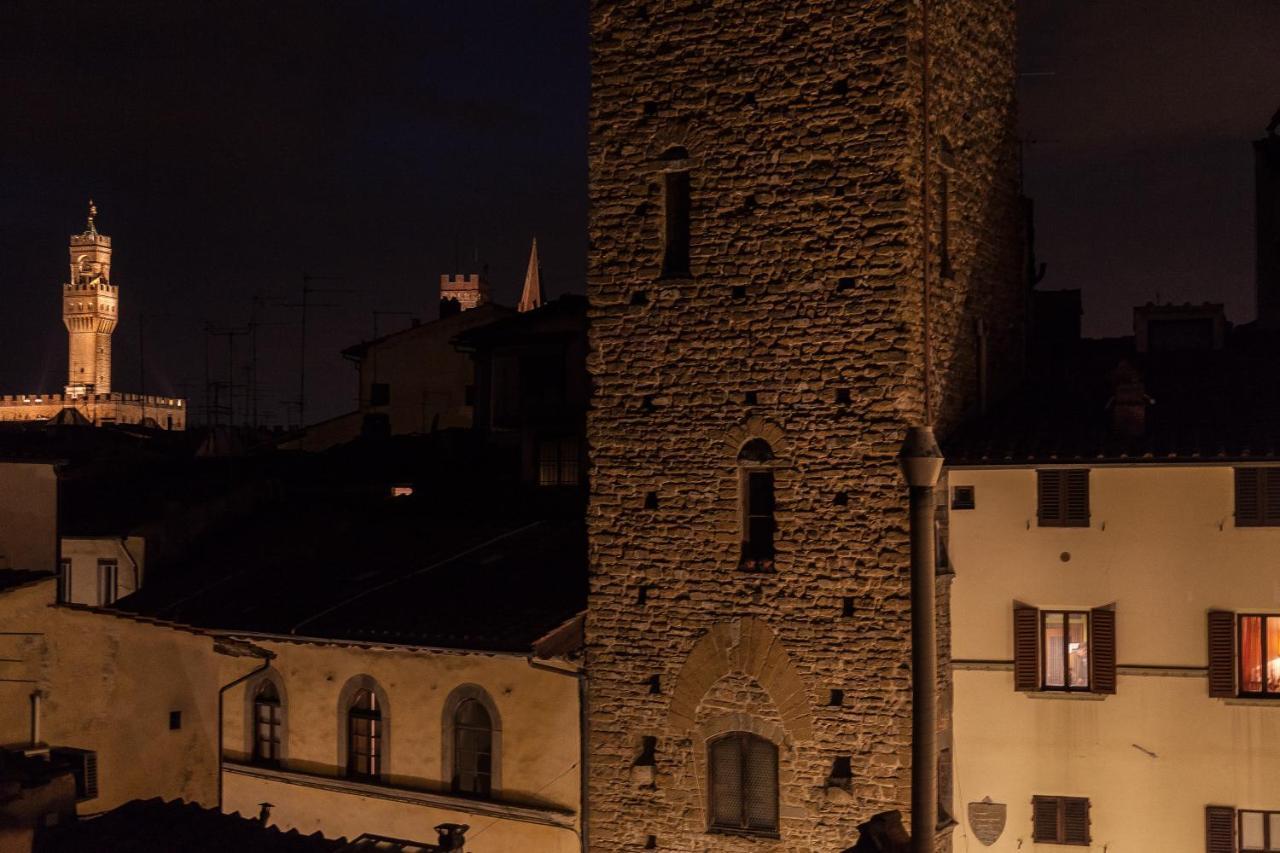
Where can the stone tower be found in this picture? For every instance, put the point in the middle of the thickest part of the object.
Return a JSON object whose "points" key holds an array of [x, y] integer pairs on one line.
{"points": [[90, 308], [462, 292], [755, 276]]}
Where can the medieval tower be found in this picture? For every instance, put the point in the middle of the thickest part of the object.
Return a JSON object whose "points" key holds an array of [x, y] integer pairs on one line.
{"points": [[90, 306], [757, 275]]}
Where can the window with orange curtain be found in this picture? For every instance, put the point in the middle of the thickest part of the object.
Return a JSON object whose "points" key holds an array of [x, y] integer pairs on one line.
{"points": [[1260, 655]]}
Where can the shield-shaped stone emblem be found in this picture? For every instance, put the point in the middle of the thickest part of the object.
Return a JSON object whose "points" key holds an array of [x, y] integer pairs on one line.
{"points": [[986, 819]]}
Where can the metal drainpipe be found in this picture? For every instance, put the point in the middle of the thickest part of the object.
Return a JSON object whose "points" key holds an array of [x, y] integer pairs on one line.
{"points": [[921, 463], [266, 664], [584, 748]]}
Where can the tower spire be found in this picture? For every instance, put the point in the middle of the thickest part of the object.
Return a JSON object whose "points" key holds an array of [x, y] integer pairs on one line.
{"points": [[93, 211], [532, 296]]}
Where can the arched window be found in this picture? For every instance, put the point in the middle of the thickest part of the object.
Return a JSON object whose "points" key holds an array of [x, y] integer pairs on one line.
{"points": [[742, 772], [472, 749], [268, 718], [364, 735], [757, 502]]}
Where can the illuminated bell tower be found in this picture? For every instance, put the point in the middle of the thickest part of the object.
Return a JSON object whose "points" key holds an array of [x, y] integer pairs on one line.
{"points": [[90, 305]]}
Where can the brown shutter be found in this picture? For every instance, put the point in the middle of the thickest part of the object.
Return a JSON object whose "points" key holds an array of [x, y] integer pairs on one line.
{"points": [[1219, 829], [1044, 819], [1049, 497], [1102, 650], [1026, 647], [1270, 495], [1075, 498], [1248, 505], [1222, 654], [1075, 820]]}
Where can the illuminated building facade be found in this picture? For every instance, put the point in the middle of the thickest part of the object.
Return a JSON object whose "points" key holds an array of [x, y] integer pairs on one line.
{"points": [[90, 311]]}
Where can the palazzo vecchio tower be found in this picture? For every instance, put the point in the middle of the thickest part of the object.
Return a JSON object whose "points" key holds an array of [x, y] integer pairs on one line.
{"points": [[756, 281]]}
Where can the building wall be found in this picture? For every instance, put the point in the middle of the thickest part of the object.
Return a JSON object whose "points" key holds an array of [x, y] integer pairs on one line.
{"points": [[167, 412], [109, 684], [536, 807], [81, 556], [800, 133], [28, 516], [1162, 546]]}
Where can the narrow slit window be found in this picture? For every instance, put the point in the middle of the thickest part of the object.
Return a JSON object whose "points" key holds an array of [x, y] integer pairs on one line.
{"points": [[675, 257]]}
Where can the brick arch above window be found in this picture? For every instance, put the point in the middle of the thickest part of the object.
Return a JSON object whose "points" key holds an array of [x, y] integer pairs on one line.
{"points": [[748, 646], [757, 428], [460, 694]]}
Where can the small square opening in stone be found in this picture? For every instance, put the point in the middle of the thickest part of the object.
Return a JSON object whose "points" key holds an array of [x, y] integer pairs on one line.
{"points": [[642, 595], [655, 685], [836, 698], [844, 396], [751, 398], [841, 771], [639, 297], [846, 607], [844, 285], [650, 500], [842, 499], [738, 291]]}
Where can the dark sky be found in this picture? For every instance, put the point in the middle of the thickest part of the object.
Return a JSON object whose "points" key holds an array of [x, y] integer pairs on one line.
{"points": [[234, 146]]}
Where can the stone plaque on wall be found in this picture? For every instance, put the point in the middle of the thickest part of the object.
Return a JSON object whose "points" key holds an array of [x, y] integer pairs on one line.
{"points": [[986, 819]]}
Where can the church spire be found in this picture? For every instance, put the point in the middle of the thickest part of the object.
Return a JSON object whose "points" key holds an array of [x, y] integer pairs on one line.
{"points": [[532, 296]]}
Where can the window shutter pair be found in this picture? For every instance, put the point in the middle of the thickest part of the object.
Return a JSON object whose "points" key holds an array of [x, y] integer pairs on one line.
{"points": [[1026, 649], [1062, 497], [1060, 820], [1219, 829], [1222, 654], [1257, 497]]}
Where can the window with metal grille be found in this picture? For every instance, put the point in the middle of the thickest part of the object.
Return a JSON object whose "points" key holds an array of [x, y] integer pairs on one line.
{"points": [[743, 784], [108, 571], [364, 736], [1062, 497], [558, 462], [1257, 497], [1259, 641], [83, 764], [472, 750], [1060, 820], [267, 724], [1259, 831]]}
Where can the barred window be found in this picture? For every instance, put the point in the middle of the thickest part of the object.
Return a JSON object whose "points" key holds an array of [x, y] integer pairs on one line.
{"points": [[364, 736], [558, 462], [472, 750], [267, 719], [743, 782]]}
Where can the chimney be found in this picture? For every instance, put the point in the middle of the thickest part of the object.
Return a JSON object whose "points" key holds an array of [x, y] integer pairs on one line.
{"points": [[453, 837], [1129, 401]]}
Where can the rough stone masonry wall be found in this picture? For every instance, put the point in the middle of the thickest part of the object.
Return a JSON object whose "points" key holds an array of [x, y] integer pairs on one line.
{"points": [[801, 127]]}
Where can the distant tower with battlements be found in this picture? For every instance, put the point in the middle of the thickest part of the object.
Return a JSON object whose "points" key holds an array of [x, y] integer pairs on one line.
{"points": [[462, 293], [90, 308]]}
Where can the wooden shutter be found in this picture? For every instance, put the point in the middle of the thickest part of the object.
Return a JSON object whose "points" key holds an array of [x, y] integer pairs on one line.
{"points": [[1075, 497], [1044, 819], [1270, 495], [1026, 647], [1102, 650], [1222, 654], [1248, 505], [1075, 820], [1049, 498], [1219, 829]]}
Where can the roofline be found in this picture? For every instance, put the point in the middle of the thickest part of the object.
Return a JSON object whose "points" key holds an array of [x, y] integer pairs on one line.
{"points": [[1224, 462], [302, 639], [40, 578]]}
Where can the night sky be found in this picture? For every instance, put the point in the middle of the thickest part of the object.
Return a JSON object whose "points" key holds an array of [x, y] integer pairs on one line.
{"points": [[233, 147]]}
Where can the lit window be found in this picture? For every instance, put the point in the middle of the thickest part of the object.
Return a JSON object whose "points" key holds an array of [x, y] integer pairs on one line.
{"points": [[472, 749], [676, 203], [558, 462], [743, 777], [1259, 831], [1066, 649], [1260, 655], [267, 724], [364, 736], [401, 491]]}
